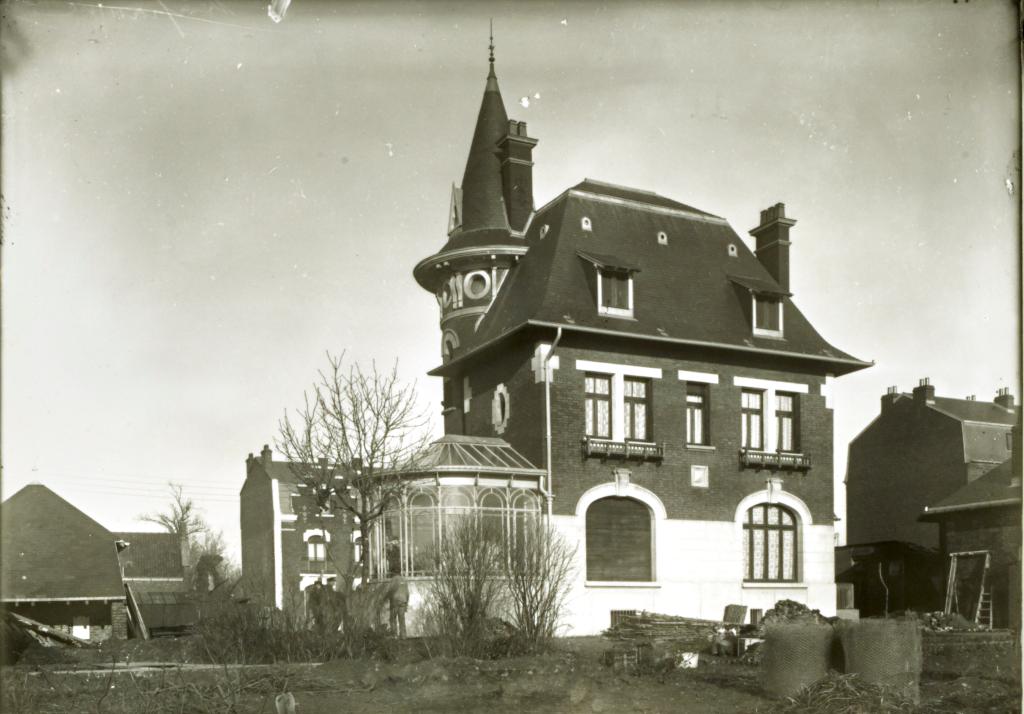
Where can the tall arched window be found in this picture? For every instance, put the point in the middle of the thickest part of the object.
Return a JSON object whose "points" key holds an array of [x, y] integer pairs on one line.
{"points": [[422, 532], [770, 544], [619, 540]]}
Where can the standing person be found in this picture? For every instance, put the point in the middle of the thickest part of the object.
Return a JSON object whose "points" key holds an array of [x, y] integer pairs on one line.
{"points": [[398, 595]]}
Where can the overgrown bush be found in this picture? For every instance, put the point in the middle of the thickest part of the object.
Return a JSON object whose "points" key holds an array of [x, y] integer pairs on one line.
{"points": [[490, 597], [467, 590], [538, 576]]}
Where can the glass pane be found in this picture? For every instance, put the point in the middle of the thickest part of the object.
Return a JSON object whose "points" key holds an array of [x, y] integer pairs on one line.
{"points": [[786, 434], [788, 555], [746, 552], [590, 417], [758, 554], [755, 431], [640, 421], [773, 555], [491, 499], [588, 384], [773, 516], [787, 518], [758, 513], [602, 385], [422, 534], [784, 403], [603, 420]]}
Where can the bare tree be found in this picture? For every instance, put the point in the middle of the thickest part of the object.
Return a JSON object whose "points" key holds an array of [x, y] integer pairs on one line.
{"points": [[182, 517], [349, 441]]}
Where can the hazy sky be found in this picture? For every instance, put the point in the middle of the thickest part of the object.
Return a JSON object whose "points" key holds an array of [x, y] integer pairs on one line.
{"points": [[199, 202]]}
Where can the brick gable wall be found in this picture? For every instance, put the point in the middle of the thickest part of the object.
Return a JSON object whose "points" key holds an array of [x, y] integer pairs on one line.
{"points": [[257, 527], [909, 457]]}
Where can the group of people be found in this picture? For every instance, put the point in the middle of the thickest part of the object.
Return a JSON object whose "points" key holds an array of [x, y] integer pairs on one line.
{"points": [[325, 605]]}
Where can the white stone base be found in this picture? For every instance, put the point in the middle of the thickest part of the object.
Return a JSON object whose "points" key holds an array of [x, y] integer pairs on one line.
{"points": [[698, 571]]}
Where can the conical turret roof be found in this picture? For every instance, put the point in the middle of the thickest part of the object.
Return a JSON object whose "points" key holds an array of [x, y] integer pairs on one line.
{"points": [[483, 205]]}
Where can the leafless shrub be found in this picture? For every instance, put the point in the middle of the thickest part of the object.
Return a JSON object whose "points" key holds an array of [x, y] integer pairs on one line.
{"points": [[467, 589], [538, 575]]}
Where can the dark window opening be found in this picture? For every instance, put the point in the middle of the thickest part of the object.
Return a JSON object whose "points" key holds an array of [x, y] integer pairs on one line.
{"points": [[619, 541]]}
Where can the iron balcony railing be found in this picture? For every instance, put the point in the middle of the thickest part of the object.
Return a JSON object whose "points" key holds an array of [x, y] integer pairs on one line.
{"points": [[774, 461], [608, 449]]}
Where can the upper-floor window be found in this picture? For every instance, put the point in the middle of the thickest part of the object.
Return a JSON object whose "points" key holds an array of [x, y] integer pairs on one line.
{"points": [[751, 419], [615, 295], [767, 315], [696, 413], [637, 413], [316, 549], [770, 544], [786, 421], [598, 405]]}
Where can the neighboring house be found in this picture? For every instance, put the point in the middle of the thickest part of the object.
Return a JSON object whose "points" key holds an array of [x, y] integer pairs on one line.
{"points": [[985, 514], [920, 449], [287, 542], [659, 372], [59, 566]]}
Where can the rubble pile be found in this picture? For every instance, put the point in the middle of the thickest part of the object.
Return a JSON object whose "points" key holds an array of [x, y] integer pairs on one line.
{"points": [[791, 611], [943, 622]]}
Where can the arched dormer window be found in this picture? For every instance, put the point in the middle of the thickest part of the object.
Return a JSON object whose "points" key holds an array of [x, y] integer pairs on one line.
{"points": [[449, 343]]}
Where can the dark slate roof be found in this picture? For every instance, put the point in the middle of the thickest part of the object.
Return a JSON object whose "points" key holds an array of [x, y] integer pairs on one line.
{"points": [[634, 194], [484, 217], [993, 489], [972, 410], [477, 454], [683, 292], [53, 551], [151, 555]]}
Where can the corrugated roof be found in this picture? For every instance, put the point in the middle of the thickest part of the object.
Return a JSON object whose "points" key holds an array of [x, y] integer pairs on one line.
{"points": [[151, 555], [995, 488], [51, 550], [684, 292], [476, 454]]}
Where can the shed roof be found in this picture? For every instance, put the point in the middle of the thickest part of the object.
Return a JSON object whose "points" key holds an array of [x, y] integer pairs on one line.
{"points": [[150, 555], [995, 488]]}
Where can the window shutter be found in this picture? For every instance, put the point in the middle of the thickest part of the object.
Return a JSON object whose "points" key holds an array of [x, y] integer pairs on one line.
{"points": [[618, 540]]}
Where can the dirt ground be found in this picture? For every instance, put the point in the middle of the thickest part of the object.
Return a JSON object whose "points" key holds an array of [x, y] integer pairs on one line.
{"points": [[571, 679]]}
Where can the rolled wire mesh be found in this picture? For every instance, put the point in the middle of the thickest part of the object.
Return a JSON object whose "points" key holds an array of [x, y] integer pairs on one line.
{"points": [[796, 655], [884, 652]]}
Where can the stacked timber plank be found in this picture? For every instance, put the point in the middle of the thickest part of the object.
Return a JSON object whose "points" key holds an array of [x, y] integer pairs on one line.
{"points": [[654, 627]]}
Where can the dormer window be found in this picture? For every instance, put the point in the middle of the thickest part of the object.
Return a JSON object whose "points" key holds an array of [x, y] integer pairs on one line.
{"points": [[767, 316], [585, 223], [613, 280], [615, 293]]}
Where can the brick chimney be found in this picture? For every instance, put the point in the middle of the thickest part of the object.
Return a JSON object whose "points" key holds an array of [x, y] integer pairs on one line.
{"points": [[1004, 398], [889, 398], [266, 455], [924, 392], [772, 237], [516, 151]]}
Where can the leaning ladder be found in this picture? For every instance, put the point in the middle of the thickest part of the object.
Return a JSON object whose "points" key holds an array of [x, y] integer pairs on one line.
{"points": [[983, 609]]}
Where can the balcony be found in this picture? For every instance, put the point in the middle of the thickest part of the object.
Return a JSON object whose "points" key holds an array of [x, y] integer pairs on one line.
{"points": [[608, 449], [774, 461]]}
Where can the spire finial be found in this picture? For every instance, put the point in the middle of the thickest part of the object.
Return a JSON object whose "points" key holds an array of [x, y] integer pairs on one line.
{"points": [[491, 46]]}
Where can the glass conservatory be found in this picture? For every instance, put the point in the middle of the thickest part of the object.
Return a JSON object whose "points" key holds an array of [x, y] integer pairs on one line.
{"points": [[456, 477]]}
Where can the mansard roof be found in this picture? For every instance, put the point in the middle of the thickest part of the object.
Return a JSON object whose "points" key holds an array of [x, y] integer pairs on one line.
{"points": [[693, 290]]}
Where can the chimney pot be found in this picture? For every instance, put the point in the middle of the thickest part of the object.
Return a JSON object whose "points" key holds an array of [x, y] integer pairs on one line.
{"points": [[924, 392], [266, 455], [889, 398], [1004, 398]]}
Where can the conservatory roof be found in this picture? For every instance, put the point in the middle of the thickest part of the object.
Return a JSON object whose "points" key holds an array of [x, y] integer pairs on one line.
{"points": [[475, 454]]}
